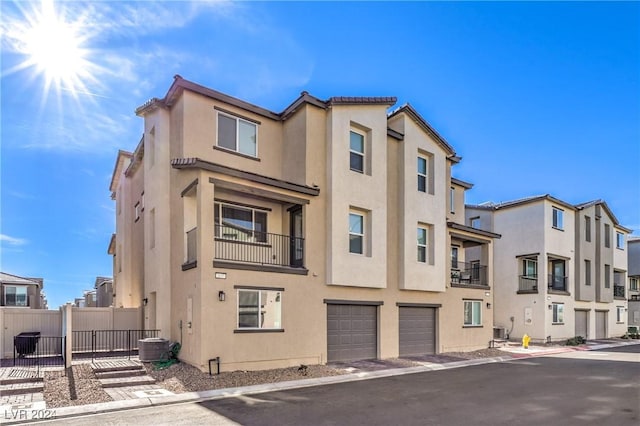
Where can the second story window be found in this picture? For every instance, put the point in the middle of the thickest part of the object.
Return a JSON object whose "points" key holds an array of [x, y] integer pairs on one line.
{"points": [[474, 222], [620, 240], [633, 283], [607, 276], [240, 224], [422, 244], [452, 199], [356, 152], [558, 218], [356, 233], [422, 174], [530, 268], [15, 296], [587, 228], [607, 235], [237, 135], [587, 272]]}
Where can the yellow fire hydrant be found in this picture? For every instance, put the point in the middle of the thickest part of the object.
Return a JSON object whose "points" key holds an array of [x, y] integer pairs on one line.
{"points": [[525, 341]]}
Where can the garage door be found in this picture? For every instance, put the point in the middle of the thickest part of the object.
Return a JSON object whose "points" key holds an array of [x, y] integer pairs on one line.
{"points": [[601, 325], [417, 331], [352, 332], [581, 323]]}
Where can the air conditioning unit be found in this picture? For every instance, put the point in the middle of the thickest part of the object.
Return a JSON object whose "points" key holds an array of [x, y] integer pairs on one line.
{"points": [[152, 349], [499, 332]]}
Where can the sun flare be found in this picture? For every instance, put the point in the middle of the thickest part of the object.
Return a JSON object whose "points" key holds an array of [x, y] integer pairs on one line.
{"points": [[52, 42]]}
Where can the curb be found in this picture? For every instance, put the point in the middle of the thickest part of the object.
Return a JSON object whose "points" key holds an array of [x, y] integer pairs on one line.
{"points": [[215, 394]]}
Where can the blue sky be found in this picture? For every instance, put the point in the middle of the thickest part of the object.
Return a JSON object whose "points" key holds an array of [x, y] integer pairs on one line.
{"points": [[536, 97]]}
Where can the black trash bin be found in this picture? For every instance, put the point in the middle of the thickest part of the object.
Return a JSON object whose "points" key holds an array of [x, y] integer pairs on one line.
{"points": [[26, 342]]}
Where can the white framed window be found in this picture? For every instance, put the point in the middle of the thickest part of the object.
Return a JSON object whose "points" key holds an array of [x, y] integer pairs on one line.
{"points": [[620, 240], [607, 235], [356, 233], [530, 268], [422, 244], [558, 313], [239, 223], [356, 151], [472, 313], [452, 199], [15, 295], [260, 309], [422, 174], [474, 222], [620, 314], [137, 211], [238, 135], [558, 218], [633, 283]]}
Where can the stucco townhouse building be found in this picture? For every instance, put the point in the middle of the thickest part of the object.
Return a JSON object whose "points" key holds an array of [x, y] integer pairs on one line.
{"points": [[330, 231], [560, 269], [633, 295]]}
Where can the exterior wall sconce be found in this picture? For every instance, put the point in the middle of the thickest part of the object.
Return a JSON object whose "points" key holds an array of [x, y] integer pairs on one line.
{"points": [[488, 305], [145, 301], [221, 296]]}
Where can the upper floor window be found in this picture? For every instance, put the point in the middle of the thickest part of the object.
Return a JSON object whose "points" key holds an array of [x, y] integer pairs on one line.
{"points": [[422, 174], [530, 268], [356, 233], [607, 235], [587, 272], [452, 199], [620, 240], [607, 276], [454, 256], [587, 228], [237, 135], [15, 295], [240, 223], [356, 152], [422, 244], [558, 218], [633, 283], [474, 222]]}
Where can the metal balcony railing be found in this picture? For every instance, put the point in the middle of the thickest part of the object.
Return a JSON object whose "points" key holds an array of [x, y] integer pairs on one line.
{"points": [[256, 247], [528, 283], [618, 290], [465, 273], [557, 283]]}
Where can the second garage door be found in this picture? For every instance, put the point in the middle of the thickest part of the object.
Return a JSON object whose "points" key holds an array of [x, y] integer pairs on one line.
{"points": [[352, 332], [601, 324], [417, 330], [582, 322]]}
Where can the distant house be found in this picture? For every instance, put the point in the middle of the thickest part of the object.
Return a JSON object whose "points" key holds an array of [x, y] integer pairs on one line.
{"points": [[21, 292], [104, 292], [633, 252]]}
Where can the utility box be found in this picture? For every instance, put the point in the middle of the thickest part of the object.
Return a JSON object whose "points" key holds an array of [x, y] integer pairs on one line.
{"points": [[152, 349]]}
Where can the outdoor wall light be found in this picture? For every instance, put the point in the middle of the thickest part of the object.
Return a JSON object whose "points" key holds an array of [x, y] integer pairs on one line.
{"points": [[488, 305], [145, 301], [221, 296]]}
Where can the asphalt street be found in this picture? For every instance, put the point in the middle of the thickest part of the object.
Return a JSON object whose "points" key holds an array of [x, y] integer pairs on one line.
{"points": [[577, 388]]}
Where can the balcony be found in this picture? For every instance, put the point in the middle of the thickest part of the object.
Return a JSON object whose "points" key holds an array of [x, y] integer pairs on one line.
{"points": [[262, 249], [528, 284], [618, 291], [557, 283], [468, 274]]}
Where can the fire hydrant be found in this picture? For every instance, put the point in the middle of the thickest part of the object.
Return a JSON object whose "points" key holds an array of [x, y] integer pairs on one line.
{"points": [[525, 341]]}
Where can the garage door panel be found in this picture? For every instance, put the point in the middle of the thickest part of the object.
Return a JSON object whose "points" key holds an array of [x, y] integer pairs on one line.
{"points": [[582, 323], [417, 330], [351, 332]]}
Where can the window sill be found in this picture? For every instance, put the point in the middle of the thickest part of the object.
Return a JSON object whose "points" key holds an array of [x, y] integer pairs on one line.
{"points": [[189, 265], [558, 229], [559, 292], [258, 330], [230, 151], [557, 323], [527, 292], [472, 326], [619, 322]]}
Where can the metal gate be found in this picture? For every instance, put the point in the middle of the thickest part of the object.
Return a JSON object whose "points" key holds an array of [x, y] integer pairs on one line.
{"points": [[109, 343], [33, 350]]}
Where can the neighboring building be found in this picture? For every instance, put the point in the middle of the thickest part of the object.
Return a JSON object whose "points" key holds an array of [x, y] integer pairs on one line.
{"points": [[559, 268], [330, 231], [104, 292], [633, 252], [21, 292], [90, 299], [79, 302]]}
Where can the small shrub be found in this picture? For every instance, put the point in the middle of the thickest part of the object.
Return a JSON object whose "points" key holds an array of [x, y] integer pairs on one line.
{"points": [[575, 341]]}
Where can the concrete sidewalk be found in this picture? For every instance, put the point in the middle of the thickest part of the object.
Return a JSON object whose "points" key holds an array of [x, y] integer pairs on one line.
{"points": [[23, 413]]}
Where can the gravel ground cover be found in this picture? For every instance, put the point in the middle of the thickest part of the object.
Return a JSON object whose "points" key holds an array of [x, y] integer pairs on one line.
{"points": [[80, 386]]}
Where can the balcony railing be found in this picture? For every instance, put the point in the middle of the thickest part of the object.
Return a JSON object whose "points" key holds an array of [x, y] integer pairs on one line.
{"points": [[255, 247], [528, 283], [557, 283], [464, 273], [618, 290]]}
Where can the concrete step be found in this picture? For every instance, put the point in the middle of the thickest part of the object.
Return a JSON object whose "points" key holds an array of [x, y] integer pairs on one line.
{"points": [[16, 380], [21, 388], [109, 366], [119, 382], [121, 373]]}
